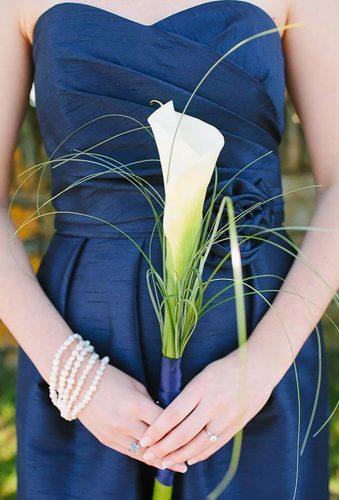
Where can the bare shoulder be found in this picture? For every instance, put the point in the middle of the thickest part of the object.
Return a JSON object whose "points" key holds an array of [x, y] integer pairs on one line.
{"points": [[315, 9], [319, 20], [10, 11], [28, 12], [10, 21]]}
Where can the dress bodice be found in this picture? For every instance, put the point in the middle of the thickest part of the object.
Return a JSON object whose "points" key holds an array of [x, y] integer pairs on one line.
{"points": [[90, 63]]}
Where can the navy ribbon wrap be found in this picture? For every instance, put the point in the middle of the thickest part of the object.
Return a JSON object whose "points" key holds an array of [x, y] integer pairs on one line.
{"points": [[170, 387]]}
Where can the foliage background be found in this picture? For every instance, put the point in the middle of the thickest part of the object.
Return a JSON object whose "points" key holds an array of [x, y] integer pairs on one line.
{"points": [[296, 173]]}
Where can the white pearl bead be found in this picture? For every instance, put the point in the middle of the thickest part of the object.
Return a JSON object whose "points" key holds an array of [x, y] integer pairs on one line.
{"points": [[93, 387], [66, 398], [55, 365]]}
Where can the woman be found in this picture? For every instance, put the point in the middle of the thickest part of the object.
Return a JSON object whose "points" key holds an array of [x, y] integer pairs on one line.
{"points": [[113, 58]]}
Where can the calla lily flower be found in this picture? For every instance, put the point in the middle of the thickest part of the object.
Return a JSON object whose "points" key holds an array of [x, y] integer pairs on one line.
{"points": [[188, 155]]}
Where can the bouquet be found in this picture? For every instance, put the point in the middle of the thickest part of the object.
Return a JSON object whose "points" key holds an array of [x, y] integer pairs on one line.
{"points": [[188, 150]]}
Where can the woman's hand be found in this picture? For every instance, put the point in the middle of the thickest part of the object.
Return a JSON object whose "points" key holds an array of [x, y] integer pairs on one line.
{"points": [[120, 412], [223, 398]]}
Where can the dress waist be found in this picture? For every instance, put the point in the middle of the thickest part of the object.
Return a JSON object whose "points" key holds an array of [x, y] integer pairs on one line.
{"points": [[118, 209], [94, 228]]}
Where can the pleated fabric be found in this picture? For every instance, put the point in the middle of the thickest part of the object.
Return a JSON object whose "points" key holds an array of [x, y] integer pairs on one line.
{"points": [[95, 75]]}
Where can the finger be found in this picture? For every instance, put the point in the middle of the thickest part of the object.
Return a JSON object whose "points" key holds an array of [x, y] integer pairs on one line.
{"points": [[206, 452], [134, 428], [223, 439], [147, 410], [182, 434], [197, 446], [123, 446], [170, 417], [141, 388], [137, 430]]}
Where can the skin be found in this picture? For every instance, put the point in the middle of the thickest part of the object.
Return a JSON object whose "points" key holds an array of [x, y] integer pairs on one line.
{"points": [[121, 409]]}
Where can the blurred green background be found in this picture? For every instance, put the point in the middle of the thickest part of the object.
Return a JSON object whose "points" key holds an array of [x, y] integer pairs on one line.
{"points": [[296, 173]]}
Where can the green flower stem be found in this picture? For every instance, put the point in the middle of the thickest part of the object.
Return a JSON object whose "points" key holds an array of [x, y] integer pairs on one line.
{"points": [[161, 491]]}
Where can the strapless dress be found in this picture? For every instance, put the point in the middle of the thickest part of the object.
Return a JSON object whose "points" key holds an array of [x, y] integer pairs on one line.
{"points": [[95, 73]]}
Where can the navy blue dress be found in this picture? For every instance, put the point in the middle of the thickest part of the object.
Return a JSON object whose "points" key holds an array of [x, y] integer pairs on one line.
{"points": [[88, 63]]}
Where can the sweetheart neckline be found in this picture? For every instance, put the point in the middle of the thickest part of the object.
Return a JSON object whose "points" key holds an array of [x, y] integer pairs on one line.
{"points": [[187, 10]]}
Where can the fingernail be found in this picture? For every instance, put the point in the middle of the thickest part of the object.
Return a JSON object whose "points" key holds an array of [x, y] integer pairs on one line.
{"points": [[167, 463], [179, 468], [182, 468], [145, 442], [190, 462], [148, 456]]}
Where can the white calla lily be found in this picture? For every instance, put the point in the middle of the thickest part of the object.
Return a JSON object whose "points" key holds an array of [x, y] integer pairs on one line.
{"points": [[188, 155]]}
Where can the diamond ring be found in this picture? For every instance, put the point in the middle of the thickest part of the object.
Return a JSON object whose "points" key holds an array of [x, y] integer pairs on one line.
{"points": [[213, 437], [135, 446]]}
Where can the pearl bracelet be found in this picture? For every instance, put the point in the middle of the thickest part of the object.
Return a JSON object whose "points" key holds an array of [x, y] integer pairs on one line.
{"points": [[80, 356], [55, 366], [68, 365], [93, 387], [79, 385], [62, 392]]}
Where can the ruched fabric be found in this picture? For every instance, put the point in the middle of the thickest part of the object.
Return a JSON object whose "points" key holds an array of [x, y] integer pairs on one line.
{"points": [[95, 75]]}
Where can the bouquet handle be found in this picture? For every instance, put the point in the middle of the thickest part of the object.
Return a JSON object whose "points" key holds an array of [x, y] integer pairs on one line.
{"points": [[170, 387]]}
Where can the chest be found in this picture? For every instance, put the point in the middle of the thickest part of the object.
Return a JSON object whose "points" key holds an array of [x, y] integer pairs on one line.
{"points": [[149, 12]]}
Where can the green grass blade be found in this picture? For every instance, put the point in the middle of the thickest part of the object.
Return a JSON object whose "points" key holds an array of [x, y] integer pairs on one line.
{"points": [[215, 65], [242, 337], [327, 420]]}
